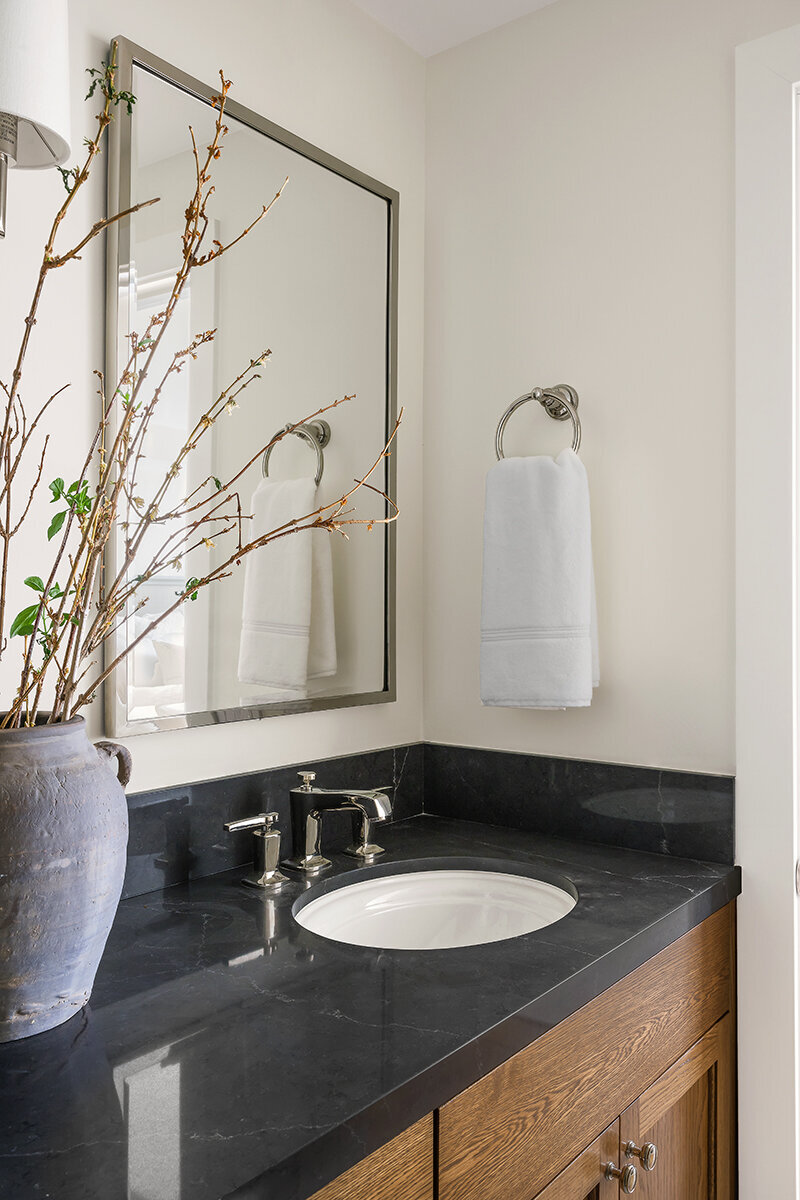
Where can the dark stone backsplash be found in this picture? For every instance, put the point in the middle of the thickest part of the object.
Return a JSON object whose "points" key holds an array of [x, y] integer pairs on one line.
{"points": [[638, 808], [176, 833]]}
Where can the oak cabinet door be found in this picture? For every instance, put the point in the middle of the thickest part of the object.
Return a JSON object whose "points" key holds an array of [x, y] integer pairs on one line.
{"points": [[688, 1116], [585, 1178], [510, 1134]]}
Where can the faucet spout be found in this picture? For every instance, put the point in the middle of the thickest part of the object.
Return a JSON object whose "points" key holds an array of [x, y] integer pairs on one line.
{"points": [[308, 803], [375, 805]]}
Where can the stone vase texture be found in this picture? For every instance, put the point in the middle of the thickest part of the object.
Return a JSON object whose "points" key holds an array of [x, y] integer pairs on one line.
{"points": [[63, 838]]}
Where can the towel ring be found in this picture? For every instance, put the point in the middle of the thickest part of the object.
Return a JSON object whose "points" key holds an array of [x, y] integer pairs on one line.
{"points": [[559, 402], [316, 433]]}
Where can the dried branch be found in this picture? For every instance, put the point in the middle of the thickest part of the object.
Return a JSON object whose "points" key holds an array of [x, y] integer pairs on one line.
{"points": [[98, 227], [75, 612], [314, 520]]}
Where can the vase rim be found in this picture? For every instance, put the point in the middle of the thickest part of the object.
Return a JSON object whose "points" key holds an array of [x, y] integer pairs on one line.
{"points": [[43, 731]]}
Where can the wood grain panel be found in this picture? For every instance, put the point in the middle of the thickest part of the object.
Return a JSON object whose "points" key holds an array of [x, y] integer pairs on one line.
{"points": [[685, 1164], [513, 1131], [584, 1178], [688, 1114], [400, 1170]]}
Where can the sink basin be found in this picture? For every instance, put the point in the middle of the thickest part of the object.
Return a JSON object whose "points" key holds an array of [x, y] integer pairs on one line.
{"points": [[436, 909]]}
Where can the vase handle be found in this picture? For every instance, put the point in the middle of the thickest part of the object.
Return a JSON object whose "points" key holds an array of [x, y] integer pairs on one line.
{"points": [[123, 757]]}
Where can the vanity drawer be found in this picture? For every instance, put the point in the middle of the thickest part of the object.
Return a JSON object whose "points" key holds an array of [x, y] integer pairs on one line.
{"points": [[400, 1170], [512, 1132]]}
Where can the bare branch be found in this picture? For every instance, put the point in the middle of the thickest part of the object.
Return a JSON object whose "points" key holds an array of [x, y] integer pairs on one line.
{"points": [[223, 249], [98, 227], [77, 613], [34, 489]]}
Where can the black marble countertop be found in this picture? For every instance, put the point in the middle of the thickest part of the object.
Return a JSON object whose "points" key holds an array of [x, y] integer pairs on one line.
{"points": [[228, 1052]]}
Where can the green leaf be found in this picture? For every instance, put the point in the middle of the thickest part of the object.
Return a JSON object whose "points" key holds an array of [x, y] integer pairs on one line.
{"points": [[191, 588], [218, 482], [128, 99], [55, 525], [23, 622], [68, 177], [55, 592], [57, 488], [33, 581]]}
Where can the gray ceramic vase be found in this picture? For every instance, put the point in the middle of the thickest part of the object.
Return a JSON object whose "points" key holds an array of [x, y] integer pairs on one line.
{"points": [[63, 834]]}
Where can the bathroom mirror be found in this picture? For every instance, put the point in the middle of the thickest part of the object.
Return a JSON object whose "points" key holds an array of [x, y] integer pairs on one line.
{"points": [[315, 283]]}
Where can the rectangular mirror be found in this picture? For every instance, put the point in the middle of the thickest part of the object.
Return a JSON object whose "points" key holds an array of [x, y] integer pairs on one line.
{"points": [[315, 283]]}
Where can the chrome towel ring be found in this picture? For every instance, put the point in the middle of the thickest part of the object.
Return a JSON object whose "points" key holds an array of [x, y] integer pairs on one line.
{"points": [[559, 402], [316, 433]]}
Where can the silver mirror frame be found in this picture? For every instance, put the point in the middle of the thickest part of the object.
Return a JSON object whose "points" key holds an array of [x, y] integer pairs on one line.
{"points": [[118, 249]]}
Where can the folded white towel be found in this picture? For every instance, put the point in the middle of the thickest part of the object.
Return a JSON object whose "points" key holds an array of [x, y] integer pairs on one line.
{"points": [[288, 634], [538, 620]]}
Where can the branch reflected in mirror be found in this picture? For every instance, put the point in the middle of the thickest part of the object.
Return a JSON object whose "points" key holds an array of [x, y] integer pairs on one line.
{"points": [[308, 622]]}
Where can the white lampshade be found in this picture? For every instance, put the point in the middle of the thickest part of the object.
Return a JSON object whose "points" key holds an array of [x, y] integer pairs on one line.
{"points": [[34, 79]]}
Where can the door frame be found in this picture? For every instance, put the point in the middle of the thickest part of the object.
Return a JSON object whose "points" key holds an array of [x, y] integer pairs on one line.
{"points": [[767, 89]]}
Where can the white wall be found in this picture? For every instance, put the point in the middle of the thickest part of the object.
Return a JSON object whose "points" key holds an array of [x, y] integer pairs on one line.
{"points": [[580, 230], [580, 184], [327, 72], [767, 75]]}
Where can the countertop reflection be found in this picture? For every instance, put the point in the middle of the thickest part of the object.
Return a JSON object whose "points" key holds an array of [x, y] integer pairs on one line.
{"points": [[229, 1052]]}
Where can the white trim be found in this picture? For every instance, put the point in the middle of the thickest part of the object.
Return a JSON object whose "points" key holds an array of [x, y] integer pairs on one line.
{"points": [[767, 74]]}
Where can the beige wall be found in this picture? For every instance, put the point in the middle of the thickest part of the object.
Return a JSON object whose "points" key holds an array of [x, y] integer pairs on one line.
{"points": [[580, 230], [324, 70]]}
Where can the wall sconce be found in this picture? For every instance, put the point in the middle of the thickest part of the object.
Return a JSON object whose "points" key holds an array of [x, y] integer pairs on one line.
{"points": [[34, 88]]}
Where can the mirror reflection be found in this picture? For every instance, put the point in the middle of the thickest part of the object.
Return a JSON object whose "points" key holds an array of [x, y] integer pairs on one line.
{"points": [[304, 622]]}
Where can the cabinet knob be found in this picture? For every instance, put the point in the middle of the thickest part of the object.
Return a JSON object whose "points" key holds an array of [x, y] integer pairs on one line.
{"points": [[626, 1175], [647, 1154]]}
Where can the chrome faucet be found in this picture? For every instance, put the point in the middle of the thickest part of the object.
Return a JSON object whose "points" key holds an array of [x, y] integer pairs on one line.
{"points": [[266, 851], [308, 804]]}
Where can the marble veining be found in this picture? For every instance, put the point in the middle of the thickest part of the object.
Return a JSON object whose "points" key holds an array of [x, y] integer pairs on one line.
{"points": [[641, 808], [176, 833], [228, 1052]]}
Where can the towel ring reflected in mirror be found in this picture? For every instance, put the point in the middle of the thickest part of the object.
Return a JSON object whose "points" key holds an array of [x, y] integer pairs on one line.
{"points": [[316, 433], [559, 402], [344, 225]]}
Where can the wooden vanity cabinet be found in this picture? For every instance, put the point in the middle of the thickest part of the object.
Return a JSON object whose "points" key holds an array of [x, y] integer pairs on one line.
{"points": [[400, 1170], [585, 1177], [688, 1115], [651, 1059], [648, 1052]]}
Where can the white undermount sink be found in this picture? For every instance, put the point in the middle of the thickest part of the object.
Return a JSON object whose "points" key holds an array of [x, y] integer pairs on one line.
{"points": [[435, 909]]}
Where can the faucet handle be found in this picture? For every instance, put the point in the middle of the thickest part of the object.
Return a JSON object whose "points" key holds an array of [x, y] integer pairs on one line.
{"points": [[261, 821], [308, 778], [363, 848], [266, 851]]}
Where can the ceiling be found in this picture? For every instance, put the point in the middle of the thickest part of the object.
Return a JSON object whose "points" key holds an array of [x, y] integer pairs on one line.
{"points": [[429, 26]]}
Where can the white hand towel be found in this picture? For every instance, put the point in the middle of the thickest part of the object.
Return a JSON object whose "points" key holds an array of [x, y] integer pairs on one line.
{"points": [[288, 634], [538, 620]]}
